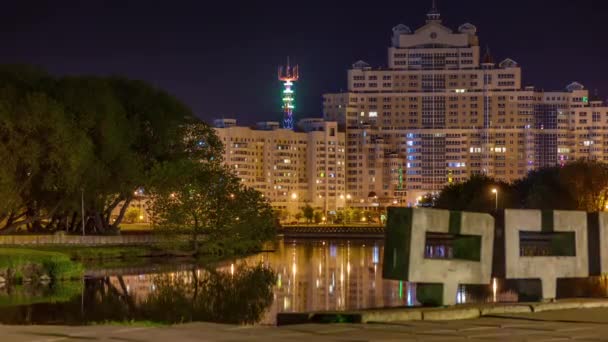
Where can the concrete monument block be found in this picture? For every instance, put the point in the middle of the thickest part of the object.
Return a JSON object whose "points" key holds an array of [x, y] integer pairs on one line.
{"points": [[598, 244], [545, 268], [405, 241]]}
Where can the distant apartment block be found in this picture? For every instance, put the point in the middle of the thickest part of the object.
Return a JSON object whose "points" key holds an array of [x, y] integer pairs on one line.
{"points": [[291, 168], [443, 110]]}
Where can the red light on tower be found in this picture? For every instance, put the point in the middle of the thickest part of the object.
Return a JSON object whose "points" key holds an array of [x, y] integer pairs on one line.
{"points": [[288, 75]]}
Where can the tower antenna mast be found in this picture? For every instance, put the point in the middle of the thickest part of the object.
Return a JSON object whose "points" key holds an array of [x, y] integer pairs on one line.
{"points": [[288, 75]]}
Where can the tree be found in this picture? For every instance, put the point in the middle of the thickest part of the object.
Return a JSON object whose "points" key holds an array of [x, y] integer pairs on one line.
{"points": [[579, 185], [347, 214], [101, 137], [284, 215], [318, 217], [587, 184], [543, 189], [132, 215], [308, 213], [476, 195], [298, 216], [207, 200]]}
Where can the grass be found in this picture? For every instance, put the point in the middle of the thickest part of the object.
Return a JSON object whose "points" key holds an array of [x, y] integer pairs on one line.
{"points": [[19, 264], [103, 252]]}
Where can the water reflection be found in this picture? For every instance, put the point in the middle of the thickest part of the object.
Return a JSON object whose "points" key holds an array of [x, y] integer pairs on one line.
{"points": [[299, 276], [185, 296], [331, 275]]}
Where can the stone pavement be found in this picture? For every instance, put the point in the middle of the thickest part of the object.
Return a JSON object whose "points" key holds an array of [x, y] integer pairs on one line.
{"points": [[577, 324]]}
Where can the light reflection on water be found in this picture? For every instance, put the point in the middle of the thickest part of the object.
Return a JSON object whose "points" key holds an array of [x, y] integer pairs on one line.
{"points": [[308, 275]]}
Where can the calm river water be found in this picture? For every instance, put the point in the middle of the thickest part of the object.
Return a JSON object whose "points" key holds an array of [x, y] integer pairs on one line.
{"points": [[300, 275]]}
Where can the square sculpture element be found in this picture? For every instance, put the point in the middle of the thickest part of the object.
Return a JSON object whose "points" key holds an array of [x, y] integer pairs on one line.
{"points": [[545, 268], [404, 251]]}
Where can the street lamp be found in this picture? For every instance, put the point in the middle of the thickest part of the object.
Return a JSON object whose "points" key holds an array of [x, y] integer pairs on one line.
{"points": [[495, 192], [294, 196]]}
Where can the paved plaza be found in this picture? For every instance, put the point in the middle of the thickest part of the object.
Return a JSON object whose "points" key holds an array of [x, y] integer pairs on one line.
{"points": [[565, 325]]}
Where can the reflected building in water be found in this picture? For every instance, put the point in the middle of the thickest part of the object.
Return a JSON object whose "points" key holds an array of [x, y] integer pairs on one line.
{"points": [[331, 275]]}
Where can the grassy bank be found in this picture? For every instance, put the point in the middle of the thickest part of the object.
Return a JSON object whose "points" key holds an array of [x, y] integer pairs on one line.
{"points": [[22, 265], [82, 253]]}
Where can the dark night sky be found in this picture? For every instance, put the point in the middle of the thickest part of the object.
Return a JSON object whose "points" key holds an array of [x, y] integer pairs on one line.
{"points": [[220, 57]]}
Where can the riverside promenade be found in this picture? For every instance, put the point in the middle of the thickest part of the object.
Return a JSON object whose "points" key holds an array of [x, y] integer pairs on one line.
{"points": [[559, 325]]}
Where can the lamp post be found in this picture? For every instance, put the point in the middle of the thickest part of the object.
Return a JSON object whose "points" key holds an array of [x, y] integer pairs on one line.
{"points": [[82, 208], [495, 192]]}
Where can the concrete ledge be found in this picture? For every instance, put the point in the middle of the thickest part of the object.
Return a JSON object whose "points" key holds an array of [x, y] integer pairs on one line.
{"points": [[594, 304], [555, 306], [570, 304], [450, 314], [505, 309], [391, 315], [435, 314]]}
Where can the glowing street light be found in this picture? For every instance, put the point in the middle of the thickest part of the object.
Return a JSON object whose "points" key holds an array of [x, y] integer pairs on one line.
{"points": [[495, 192], [348, 197], [294, 196]]}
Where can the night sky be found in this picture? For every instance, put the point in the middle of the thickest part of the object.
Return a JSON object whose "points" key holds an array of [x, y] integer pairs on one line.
{"points": [[220, 57]]}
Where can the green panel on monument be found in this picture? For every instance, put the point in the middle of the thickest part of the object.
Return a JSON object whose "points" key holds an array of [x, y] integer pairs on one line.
{"points": [[397, 239]]}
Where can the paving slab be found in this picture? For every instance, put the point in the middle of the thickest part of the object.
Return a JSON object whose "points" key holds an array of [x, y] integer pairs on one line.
{"points": [[572, 324]]}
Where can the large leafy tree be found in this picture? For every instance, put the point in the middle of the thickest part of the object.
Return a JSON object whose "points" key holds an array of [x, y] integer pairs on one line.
{"points": [[579, 185], [208, 203], [101, 137], [475, 194], [43, 156]]}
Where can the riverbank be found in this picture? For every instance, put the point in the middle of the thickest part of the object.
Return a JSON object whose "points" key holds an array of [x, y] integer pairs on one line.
{"points": [[582, 324], [27, 265]]}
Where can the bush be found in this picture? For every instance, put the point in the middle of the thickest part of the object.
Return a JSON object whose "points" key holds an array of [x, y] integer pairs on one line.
{"points": [[19, 264]]}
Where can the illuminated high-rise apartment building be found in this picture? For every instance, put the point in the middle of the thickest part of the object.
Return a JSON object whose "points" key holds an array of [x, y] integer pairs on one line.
{"points": [[444, 109], [291, 168]]}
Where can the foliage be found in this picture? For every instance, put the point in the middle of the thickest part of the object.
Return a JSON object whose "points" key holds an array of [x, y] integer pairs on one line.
{"points": [[578, 185], [308, 212], [318, 217], [62, 138], [18, 264], [209, 204], [475, 195], [132, 215], [298, 216]]}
